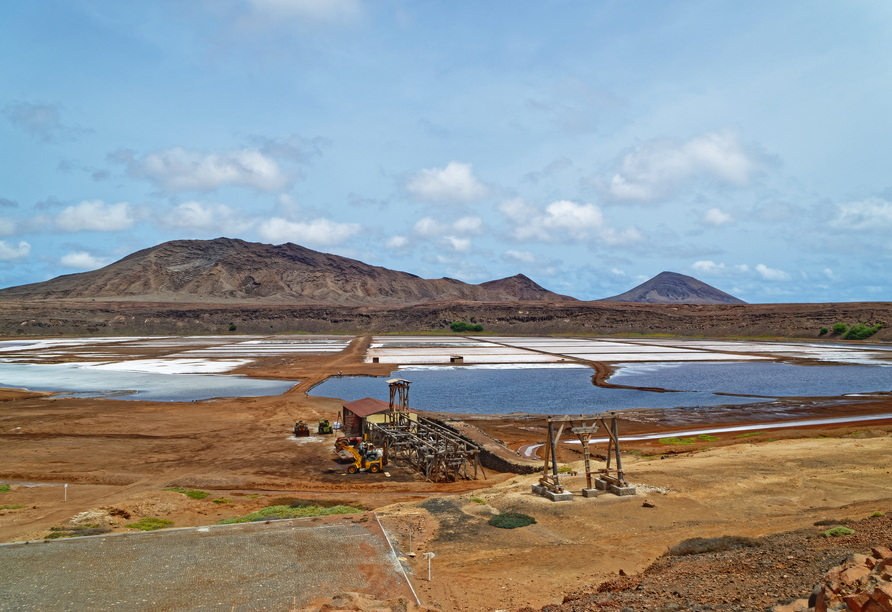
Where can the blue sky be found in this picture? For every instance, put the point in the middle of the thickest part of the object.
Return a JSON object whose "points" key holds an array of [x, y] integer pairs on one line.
{"points": [[588, 145]]}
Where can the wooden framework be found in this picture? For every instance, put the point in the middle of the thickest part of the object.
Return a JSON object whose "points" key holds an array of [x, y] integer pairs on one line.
{"points": [[434, 450], [579, 426]]}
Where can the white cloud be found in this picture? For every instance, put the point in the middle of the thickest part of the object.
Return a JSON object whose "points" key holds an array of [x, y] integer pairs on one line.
{"points": [[458, 244], [711, 268], [11, 252], [179, 169], [454, 184], [869, 215], [319, 11], [95, 215], [205, 216], [397, 242], [519, 256], [772, 274], [579, 221], [43, 121], [428, 226], [657, 168], [319, 232], [716, 217], [81, 260], [7, 227]]}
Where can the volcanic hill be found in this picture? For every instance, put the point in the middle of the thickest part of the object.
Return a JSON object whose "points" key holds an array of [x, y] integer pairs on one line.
{"points": [[227, 269], [673, 288]]}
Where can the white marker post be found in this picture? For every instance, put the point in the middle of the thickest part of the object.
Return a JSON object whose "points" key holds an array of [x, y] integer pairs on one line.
{"points": [[429, 556], [66, 492], [411, 553]]}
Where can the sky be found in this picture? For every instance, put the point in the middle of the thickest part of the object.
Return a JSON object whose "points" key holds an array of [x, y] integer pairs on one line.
{"points": [[588, 145]]}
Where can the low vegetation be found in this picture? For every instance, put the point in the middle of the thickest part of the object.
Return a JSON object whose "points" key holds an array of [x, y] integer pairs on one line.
{"points": [[222, 500], [861, 331], [836, 532], [708, 438], [461, 326], [511, 520], [233, 327], [823, 331], [189, 493], [839, 328], [4, 488], [876, 514], [750, 434], [676, 440], [272, 513], [696, 546], [19, 507], [150, 523], [477, 500], [76, 531]]}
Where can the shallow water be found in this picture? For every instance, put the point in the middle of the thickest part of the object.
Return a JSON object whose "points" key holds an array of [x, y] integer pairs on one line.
{"points": [[536, 390], [92, 382]]}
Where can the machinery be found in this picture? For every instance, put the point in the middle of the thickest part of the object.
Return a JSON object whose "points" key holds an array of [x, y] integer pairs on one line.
{"points": [[364, 458], [301, 430], [324, 427]]}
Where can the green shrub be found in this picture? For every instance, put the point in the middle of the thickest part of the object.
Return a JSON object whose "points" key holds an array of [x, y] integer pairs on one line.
{"points": [[76, 531], [565, 469], [461, 326], [876, 514], [750, 434], [188, 493], [861, 331], [511, 520], [19, 507], [838, 531], [272, 513], [708, 438], [222, 500], [840, 328], [150, 523], [676, 440], [4, 488], [696, 546], [233, 327], [477, 500], [823, 331]]}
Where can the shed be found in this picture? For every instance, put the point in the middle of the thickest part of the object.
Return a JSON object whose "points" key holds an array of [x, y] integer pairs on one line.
{"points": [[355, 414]]}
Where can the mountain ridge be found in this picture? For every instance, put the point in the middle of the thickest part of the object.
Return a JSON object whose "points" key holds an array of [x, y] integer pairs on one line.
{"points": [[674, 288], [233, 269]]}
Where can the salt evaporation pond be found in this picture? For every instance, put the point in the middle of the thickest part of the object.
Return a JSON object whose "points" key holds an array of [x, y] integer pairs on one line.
{"points": [[569, 390], [93, 382]]}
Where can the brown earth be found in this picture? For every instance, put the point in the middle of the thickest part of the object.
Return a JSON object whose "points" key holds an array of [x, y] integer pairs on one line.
{"points": [[101, 317], [118, 456]]}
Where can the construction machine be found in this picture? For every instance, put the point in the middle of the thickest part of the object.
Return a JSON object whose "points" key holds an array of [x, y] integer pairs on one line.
{"points": [[301, 430], [324, 427], [364, 458]]}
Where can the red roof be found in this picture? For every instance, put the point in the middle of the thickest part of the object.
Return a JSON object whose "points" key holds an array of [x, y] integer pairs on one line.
{"points": [[367, 406]]}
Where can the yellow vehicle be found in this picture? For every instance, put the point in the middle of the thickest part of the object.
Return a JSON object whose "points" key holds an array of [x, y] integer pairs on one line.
{"points": [[301, 430], [365, 458]]}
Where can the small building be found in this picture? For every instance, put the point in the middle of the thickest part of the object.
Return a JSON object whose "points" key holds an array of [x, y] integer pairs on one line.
{"points": [[354, 415]]}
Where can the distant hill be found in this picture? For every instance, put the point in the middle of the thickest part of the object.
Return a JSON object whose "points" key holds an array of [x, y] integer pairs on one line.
{"points": [[230, 269], [673, 288]]}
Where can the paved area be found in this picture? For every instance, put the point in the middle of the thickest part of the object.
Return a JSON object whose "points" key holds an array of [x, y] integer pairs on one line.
{"points": [[249, 567]]}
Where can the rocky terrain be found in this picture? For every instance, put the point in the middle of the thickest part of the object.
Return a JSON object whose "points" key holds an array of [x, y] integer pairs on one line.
{"points": [[229, 269], [674, 288]]}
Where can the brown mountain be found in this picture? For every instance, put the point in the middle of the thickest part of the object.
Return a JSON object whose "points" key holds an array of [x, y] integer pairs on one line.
{"points": [[230, 269], [673, 288]]}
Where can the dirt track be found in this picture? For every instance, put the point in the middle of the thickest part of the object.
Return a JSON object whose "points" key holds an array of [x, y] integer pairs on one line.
{"points": [[122, 454]]}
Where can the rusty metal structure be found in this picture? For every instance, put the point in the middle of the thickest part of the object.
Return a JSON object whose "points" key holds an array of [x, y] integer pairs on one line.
{"points": [[434, 450], [606, 478]]}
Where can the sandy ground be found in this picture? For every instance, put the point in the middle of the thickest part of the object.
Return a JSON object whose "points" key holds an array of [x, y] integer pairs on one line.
{"points": [[120, 455]]}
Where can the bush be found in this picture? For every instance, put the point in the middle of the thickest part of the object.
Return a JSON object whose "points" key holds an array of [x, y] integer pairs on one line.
{"points": [[876, 514], [837, 532], [233, 327], [150, 523], [696, 546], [76, 531], [4, 488], [860, 331], [823, 331], [511, 520], [840, 328], [461, 326], [188, 493], [19, 507], [477, 500], [222, 500], [708, 438], [676, 440], [272, 513]]}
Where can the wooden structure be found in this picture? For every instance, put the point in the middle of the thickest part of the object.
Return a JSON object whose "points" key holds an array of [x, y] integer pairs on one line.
{"points": [[607, 478], [358, 415], [434, 450]]}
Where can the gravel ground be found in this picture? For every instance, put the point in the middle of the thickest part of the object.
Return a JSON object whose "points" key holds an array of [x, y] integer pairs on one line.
{"points": [[781, 568]]}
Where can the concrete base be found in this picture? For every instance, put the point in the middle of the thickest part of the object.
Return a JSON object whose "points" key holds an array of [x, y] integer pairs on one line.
{"points": [[622, 490], [538, 489], [559, 497], [601, 484], [590, 493]]}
